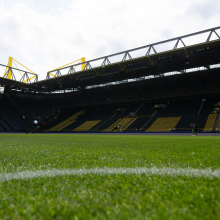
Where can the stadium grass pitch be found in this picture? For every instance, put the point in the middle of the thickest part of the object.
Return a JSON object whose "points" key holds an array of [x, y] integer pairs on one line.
{"points": [[99, 184]]}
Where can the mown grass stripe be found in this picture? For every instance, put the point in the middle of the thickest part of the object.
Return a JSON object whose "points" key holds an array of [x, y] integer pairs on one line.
{"points": [[208, 173]]}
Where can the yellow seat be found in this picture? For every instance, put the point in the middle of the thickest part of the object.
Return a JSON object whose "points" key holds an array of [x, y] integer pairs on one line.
{"points": [[164, 124], [210, 122], [87, 125], [66, 122]]}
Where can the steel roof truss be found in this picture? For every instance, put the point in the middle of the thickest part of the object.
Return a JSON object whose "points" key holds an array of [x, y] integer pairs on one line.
{"points": [[210, 34], [106, 61], [71, 70], [177, 42], [149, 50], [127, 54]]}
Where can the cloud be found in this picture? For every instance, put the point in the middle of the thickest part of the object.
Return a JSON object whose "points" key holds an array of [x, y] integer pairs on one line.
{"points": [[47, 35], [204, 9]]}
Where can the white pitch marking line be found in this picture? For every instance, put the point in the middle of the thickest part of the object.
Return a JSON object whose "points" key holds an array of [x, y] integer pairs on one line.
{"points": [[188, 172]]}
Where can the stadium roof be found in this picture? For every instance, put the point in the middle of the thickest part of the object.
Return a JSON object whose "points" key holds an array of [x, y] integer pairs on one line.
{"points": [[152, 63]]}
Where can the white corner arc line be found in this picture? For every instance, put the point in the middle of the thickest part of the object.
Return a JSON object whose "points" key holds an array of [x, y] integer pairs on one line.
{"points": [[188, 172]]}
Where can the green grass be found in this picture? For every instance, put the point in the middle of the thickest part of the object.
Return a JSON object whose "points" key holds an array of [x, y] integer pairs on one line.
{"points": [[109, 196]]}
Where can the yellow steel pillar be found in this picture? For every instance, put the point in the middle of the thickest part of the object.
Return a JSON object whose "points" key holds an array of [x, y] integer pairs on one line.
{"points": [[10, 65], [83, 59]]}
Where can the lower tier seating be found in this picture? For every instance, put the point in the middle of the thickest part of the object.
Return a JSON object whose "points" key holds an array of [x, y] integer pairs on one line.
{"points": [[150, 116], [66, 122], [123, 123], [87, 125], [164, 124], [210, 122], [185, 121], [113, 126], [218, 125]]}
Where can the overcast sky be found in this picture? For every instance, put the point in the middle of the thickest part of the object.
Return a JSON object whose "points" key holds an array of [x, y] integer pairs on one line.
{"points": [[45, 34]]}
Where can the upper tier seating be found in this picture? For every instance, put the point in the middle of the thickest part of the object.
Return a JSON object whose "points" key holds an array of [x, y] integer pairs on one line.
{"points": [[180, 85]]}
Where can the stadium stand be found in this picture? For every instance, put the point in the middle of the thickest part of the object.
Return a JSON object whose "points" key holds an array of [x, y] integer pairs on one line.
{"points": [[139, 97], [146, 117]]}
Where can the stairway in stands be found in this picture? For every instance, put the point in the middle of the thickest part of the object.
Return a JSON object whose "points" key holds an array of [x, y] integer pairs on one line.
{"points": [[112, 127], [66, 122], [164, 124], [123, 123], [128, 124]]}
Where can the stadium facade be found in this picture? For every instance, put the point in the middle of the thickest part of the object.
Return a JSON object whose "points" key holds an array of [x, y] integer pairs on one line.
{"points": [[154, 88]]}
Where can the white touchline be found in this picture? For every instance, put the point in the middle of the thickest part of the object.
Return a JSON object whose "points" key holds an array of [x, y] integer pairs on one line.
{"points": [[189, 172]]}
